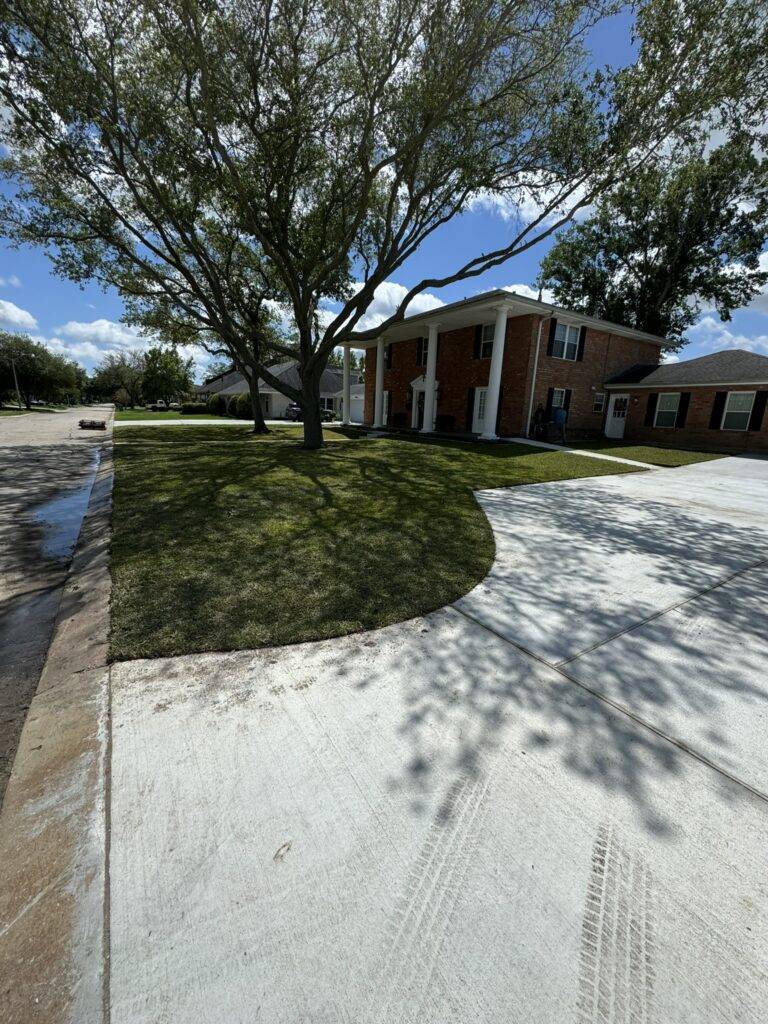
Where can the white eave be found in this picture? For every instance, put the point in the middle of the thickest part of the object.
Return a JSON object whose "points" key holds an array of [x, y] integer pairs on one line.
{"points": [[468, 312]]}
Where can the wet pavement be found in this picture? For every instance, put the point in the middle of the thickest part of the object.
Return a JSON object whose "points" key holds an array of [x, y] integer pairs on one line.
{"points": [[47, 468]]}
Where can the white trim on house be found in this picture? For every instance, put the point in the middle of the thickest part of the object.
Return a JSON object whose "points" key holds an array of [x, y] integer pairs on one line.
{"points": [[666, 412], [738, 412], [680, 386]]}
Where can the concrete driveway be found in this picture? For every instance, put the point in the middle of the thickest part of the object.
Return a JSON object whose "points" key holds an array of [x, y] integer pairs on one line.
{"points": [[544, 804]]}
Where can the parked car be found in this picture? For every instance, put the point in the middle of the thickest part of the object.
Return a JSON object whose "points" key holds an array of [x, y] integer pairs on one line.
{"points": [[293, 412]]}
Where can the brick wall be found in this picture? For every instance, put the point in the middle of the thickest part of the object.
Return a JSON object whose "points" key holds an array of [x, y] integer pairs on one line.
{"points": [[605, 354], [696, 433], [457, 371]]}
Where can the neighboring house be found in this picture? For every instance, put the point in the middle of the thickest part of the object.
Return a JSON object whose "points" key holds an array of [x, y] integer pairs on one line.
{"points": [[356, 399], [713, 401], [274, 403], [485, 364]]}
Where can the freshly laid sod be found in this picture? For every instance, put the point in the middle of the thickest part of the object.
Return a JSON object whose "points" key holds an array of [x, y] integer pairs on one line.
{"points": [[646, 452], [170, 414], [223, 540]]}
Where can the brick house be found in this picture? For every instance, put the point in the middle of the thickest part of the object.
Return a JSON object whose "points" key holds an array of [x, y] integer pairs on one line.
{"points": [[485, 364], [716, 401]]}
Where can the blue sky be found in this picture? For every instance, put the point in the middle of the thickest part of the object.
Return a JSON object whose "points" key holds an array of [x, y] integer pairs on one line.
{"points": [[85, 323]]}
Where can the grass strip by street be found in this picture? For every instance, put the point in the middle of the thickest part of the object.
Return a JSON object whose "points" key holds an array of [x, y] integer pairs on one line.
{"points": [[126, 415], [653, 455], [244, 542]]}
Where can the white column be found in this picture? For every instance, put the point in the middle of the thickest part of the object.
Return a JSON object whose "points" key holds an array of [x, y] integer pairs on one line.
{"points": [[429, 379], [345, 388], [378, 405], [494, 379]]}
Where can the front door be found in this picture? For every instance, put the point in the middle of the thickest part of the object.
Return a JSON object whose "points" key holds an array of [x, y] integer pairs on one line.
{"points": [[616, 420], [478, 418]]}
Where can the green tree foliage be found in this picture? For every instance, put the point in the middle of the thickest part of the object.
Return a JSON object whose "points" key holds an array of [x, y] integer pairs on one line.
{"points": [[40, 374], [120, 372], [210, 155], [679, 234], [167, 377]]}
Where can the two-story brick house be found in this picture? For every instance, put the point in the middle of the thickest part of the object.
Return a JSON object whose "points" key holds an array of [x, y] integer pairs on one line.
{"points": [[485, 364]]}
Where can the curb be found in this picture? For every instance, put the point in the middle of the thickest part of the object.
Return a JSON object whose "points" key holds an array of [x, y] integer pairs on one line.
{"points": [[53, 830]]}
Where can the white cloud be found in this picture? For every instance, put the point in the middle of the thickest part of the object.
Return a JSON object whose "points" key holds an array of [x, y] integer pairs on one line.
{"points": [[710, 333], [13, 316], [387, 297], [530, 293], [10, 282], [670, 357], [527, 203], [760, 301], [103, 332]]}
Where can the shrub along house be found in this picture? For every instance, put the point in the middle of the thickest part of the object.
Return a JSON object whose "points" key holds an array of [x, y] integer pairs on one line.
{"points": [[485, 364], [273, 402], [716, 401]]}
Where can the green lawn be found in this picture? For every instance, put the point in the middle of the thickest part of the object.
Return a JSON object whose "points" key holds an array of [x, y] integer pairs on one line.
{"points": [[656, 456], [12, 412], [36, 408], [242, 542], [171, 414]]}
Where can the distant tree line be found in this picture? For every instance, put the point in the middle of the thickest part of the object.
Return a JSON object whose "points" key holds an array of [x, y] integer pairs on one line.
{"points": [[30, 373], [137, 378]]}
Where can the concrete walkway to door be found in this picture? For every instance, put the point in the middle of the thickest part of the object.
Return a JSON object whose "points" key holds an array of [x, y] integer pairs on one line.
{"points": [[546, 803]]}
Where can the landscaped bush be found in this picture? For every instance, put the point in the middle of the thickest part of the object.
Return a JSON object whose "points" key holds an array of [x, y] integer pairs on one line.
{"points": [[240, 407], [444, 423], [217, 405], [193, 408]]}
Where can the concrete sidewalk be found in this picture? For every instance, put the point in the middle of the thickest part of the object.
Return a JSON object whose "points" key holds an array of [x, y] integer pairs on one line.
{"points": [[546, 803]]}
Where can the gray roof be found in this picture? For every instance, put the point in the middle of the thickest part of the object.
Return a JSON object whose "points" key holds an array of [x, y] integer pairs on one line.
{"points": [[330, 381], [731, 366], [219, 383]]}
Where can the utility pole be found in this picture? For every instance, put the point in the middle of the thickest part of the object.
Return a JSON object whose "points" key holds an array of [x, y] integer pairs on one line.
{"points": [[15, 379]]}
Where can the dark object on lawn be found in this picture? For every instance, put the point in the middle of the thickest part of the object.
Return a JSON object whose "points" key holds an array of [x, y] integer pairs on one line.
{"points": [[93, 424]]}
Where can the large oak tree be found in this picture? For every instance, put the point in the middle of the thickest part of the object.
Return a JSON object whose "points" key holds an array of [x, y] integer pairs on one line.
{"points": [[158, 144]]}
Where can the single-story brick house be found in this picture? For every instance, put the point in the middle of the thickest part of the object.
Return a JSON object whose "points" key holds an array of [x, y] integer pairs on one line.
{"points": [[713, 401], [484, 365]]}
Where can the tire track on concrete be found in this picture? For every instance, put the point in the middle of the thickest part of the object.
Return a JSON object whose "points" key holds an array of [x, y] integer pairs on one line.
{"points": [[422, 915], [616, 959]]}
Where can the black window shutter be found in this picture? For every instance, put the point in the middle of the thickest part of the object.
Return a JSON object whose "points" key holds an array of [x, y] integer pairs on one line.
{"points": [[478, 341], [718, 408], [470, 407], [582, 342], [682, 409], [388, 357], [551, 341], [567, 399], [650, 409], [758, 410], [550, 399]]}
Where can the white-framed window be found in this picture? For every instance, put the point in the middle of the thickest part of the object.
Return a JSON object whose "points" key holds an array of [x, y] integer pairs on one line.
{"points": [[385, 407], [422, 346], [738, 409], [558, 398], [326, 404], [666, 409], [486, 341], [565, 344], [598, 402]]}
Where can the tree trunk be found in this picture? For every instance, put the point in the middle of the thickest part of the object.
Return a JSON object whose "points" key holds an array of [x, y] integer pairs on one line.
{"points": [[259, 426], [310, 407]]}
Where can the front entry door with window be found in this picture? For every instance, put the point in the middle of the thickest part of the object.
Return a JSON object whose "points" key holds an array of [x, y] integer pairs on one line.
{"points": [[478, 417], [616, 420]]}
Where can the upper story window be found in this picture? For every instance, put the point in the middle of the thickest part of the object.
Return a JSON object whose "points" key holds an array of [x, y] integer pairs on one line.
{"points": [[422, 346], [738, 409], [565, 344], [666, 409], [486, 341]]}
